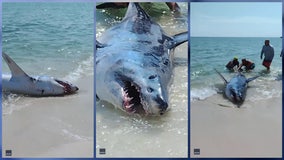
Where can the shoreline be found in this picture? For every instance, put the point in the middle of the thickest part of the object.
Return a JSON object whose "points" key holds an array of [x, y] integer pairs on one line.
{"points": [[46, 126]]}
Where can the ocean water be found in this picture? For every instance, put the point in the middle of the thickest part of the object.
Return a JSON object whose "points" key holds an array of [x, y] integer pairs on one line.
{"points": [[54, 39], [208, 53], [124, 135], [49, 38]]}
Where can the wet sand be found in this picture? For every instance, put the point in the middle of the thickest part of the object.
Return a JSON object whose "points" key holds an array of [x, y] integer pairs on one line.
{"points": [[220, 129]]}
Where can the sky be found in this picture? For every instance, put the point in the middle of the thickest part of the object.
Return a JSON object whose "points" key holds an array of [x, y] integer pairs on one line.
{"points": [[236, 19]]}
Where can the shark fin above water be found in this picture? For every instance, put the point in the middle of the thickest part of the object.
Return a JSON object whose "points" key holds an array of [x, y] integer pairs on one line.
{"points": [[15, 69]]}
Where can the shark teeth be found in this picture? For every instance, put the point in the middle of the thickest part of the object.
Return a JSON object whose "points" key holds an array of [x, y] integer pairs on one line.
{"points": [[131, 98], [129, 106]]}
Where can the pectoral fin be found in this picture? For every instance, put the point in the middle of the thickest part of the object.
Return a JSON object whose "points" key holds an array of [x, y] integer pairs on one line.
{"points": [[179, 39], [251, 79], [221, 76]]}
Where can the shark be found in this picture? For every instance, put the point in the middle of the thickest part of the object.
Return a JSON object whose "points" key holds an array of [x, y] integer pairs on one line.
{"points": [[134, 64], [20, 82]]}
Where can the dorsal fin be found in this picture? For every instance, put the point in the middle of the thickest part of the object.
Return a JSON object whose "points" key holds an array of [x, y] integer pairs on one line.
{"points": [[134, 9], [140, 21], [15, 69], [221, 76]]}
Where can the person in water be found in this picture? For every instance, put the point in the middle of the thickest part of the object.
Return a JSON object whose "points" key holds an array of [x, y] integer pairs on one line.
{"points": [[249, 65], [231, 64], [268, 52]]}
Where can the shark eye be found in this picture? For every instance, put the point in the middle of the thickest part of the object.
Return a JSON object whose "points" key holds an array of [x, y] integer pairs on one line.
{"points": [[166, 62], [150, 90], [153, 76]]}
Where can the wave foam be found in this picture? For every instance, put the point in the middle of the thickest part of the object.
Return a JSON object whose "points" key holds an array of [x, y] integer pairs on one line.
{"points": [[85, 68], [201, 94]]}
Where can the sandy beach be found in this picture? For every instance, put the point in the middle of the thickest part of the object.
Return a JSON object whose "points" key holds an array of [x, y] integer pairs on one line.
{"points": [[219, 129], [51, 126]]}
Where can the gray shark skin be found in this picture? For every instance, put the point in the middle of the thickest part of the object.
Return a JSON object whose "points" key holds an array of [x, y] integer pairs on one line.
{"points": [[236, 88], [20, 83], [134, 63]]}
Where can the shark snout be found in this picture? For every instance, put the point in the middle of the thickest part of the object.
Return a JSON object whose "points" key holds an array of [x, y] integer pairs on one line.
{"points": [[237, 97], [240, 97], [162, 104]]}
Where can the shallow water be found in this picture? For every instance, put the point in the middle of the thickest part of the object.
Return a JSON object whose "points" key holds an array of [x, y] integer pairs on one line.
{"points": [[210, 53], [49, 38], [124, 135]]}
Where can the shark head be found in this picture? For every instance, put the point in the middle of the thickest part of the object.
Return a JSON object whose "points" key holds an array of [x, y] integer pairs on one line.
{"points": [[134, 63], [236, 89], [46, 86], [68, 87], [143, 95], [134, 92], [237, 96]]}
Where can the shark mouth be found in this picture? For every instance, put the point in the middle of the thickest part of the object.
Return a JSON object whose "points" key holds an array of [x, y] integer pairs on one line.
{"points": [[131, 97], [236, 99], [68, 89]]}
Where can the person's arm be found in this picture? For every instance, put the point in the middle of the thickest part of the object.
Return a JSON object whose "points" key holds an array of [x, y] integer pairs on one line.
{"points": [[262, 52], [240, 66]]}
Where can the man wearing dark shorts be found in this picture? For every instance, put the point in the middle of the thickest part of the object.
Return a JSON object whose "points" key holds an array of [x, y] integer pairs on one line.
{"points": [[268, 52]]}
